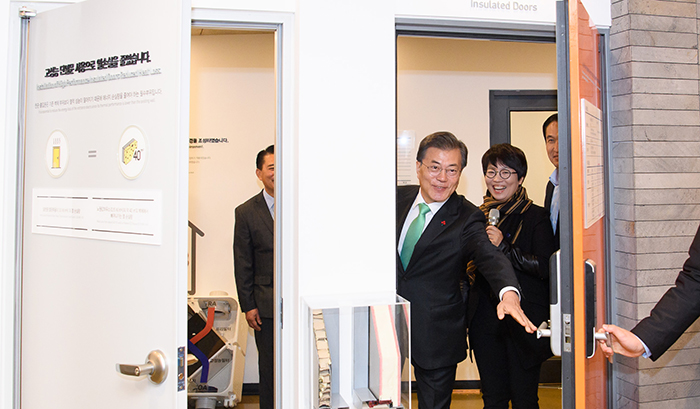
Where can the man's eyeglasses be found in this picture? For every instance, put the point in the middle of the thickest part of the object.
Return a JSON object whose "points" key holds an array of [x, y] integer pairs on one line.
{"points": [[435, 170], [503, 173]]}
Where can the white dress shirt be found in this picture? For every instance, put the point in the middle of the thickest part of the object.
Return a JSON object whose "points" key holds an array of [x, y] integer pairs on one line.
{"points": [[270, 201]]}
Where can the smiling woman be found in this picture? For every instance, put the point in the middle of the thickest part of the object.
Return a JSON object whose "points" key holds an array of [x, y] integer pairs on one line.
{"points": [[524, 235]]}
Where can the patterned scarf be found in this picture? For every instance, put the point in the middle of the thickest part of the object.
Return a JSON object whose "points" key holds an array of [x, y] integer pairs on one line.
{"points": [[516, 204]]}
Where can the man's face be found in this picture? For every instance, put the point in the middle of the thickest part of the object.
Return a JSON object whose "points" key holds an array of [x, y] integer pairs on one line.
{"points": [[552, 140], [267, 174], [436, 183]]}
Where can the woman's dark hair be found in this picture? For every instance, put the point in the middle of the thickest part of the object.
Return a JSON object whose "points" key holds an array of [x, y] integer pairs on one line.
{"points": [[508, 155]]}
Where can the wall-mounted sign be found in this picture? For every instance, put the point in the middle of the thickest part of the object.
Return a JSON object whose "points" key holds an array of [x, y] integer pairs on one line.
{"points": [[521, 11], [133, 152], [56, 154]]}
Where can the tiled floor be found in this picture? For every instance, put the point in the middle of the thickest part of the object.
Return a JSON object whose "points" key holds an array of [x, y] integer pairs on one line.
{"points": [[550, 398]]}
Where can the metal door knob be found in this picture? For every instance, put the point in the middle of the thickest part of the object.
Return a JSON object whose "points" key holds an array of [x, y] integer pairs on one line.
{"points": [[156, 367]]}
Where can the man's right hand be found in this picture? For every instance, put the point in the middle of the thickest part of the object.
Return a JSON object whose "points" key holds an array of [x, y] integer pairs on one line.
{"points": [[253, 318], [623, 342]]}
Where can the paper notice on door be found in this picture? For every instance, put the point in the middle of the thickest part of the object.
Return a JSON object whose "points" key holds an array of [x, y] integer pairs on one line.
{"points": [[594, 189], [115, 215]]}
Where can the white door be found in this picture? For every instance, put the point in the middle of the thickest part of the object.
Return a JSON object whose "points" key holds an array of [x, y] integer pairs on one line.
{"points": [[105, 204]]}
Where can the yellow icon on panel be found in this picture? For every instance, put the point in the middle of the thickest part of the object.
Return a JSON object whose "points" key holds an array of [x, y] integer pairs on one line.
{"points": [[128, 151], [56, 163]]}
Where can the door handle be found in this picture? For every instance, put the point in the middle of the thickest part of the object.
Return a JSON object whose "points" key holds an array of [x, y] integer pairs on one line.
{"points": [[603, 336], [156, 367]]}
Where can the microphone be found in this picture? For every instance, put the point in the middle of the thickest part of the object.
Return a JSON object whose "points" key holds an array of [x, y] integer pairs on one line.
{"points": [[494, 216]]}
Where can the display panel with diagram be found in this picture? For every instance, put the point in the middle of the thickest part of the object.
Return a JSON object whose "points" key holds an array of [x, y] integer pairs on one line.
{"points": [[360, 352]]}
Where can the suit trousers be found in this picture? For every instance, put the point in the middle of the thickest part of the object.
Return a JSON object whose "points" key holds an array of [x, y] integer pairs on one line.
{"points": [[435, 386], [264, 340], [503, 377]]}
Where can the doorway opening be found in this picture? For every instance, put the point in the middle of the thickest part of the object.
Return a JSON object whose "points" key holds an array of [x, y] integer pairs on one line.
{"points": [[445, 79], [234, 103]]}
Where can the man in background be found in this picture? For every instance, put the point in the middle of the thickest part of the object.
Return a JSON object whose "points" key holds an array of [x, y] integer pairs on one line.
{"points": [[253, 246], [550, 129]]}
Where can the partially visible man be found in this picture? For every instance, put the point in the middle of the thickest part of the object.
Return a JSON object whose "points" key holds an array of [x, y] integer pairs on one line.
{"points": [[438, 232], [550, 129], [671, 316], [253, 245]]}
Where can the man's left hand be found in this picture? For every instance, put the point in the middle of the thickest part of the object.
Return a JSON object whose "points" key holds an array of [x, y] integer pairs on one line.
{"points": [[510, 304]]}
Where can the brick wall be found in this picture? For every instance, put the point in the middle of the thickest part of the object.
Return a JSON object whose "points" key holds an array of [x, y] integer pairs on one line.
{"points": [[656, 150]]}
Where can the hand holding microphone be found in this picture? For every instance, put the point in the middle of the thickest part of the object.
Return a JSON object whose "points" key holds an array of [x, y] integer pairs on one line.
{"points": [[494, 233]]}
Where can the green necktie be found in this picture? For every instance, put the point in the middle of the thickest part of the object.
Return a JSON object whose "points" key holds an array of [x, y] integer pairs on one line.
{"points": [[413, 234]]}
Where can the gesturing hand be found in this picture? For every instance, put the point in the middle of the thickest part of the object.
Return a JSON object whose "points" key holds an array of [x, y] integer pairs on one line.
{"points": [[510, 304]]}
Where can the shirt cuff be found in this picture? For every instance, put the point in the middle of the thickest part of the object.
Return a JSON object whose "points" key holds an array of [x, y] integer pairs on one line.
{"points": [[506, 289], [647, 352]]}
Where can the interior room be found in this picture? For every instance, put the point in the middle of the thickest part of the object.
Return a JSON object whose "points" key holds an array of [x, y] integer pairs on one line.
{"points": [[445, 84], [232, 118]]}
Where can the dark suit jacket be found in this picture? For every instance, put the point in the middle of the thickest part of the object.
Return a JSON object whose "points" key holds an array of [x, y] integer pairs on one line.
{"points": [[676, 310], [548, 205], [529, 256], [430, 282], [253, 244]]}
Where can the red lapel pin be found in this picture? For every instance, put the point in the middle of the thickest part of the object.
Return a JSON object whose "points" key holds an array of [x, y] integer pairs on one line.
{"points": [[442, 222]]}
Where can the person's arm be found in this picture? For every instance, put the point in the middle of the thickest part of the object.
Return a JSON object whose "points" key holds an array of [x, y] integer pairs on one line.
{"points": [[243, 256], [536, 261], [672, 315], [495, 267]]}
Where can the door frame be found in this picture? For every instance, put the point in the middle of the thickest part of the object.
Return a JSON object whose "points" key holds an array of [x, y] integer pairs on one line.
{"points": [[11, 284], [285, 139], [285, 284], [503, 102]]}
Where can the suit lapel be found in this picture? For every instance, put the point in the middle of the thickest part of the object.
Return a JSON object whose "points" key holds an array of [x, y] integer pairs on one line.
{"points": [[403, 206], [264, 212], [402, 209]]}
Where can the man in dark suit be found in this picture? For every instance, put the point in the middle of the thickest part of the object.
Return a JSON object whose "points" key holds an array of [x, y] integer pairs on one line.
{"points": [[673, 314], [550, 129], [253, 244], [438, 233]]}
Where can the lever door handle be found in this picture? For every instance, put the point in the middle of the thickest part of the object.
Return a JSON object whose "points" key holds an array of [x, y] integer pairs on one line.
{"points": [[543, 331], [156, 367], [603, 336]]}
